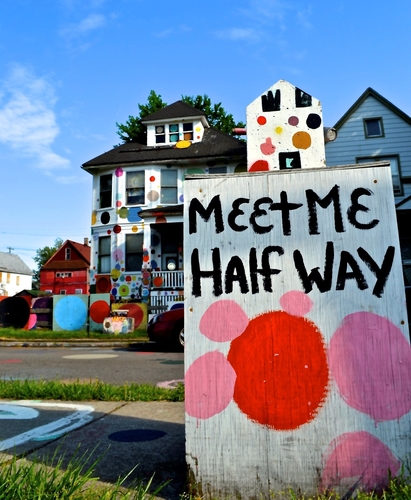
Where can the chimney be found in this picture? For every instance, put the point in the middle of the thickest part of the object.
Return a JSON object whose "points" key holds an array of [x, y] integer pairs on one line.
{"points": [[86, 242]]}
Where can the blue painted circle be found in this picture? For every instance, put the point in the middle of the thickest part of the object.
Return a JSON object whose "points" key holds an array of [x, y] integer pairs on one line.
{"points": [[136, 435], [154, 264], [133, 214], [70, 313]]}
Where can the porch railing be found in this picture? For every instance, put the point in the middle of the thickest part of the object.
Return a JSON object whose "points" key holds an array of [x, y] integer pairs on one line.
{"points": [[173, 280]]}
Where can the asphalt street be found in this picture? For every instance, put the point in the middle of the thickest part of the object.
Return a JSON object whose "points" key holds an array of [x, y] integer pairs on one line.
{"points": [[147, 436], [142, 363]]}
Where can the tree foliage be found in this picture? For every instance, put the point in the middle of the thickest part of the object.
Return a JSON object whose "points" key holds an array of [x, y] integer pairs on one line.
{"points": [[42, 256], [134, 131]]}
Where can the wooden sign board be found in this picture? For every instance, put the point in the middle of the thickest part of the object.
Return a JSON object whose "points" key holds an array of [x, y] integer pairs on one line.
{"points": [[298, 363]]}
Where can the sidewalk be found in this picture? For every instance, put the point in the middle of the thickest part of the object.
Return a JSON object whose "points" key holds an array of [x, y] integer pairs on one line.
{"points": [[151, 435]]}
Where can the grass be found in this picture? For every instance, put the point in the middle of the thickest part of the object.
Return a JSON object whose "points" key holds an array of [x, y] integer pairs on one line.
{"points": [[49, 480], [92, 391], [51, 335]]}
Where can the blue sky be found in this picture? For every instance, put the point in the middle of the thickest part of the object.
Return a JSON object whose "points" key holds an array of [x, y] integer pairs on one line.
{"points": [[71, 69]]}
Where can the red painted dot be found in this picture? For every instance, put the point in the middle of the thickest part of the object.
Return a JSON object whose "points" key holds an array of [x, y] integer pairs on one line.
{"points": [[259, 166], [99, 310], [262, 120], [117, 229], [282, 382], [152, 178]]}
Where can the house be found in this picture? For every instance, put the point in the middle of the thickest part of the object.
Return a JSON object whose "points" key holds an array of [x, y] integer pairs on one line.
{"points": [[374, 129], [137, 217], [15, 275], [67, 270]]}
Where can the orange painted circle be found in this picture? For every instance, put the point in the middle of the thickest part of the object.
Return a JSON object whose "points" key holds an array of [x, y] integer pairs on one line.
{"points": [[99, 310], [282, 370], [302, 140], [158, 281]]}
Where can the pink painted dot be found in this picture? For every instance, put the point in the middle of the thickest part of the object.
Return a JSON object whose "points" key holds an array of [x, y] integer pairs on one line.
{"points": [[261, 120], [209, 385], [296, 303], [118, 203], [32, 321], [118, 254], [234, 321], [359, 460], [370, 360], [119, 172], [152, 178], [293, 120]]}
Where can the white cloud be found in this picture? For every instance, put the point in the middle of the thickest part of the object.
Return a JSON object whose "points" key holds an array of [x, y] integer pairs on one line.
{"points": [[27, 120], [90, 23], [239, 34]]}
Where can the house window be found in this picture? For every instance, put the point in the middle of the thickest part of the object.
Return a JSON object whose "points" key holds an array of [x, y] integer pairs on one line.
{"points": [[17, 280], [168, 186], [67, 253], [395, 169], [78, 291], [63, 292], [160, 132], [373, 127], [104, 252], [217, 170], [135, 188], [172, 133], [134, 252], [48, 291], [105, 190], [8, 278], [1, 277], [188, 131]]}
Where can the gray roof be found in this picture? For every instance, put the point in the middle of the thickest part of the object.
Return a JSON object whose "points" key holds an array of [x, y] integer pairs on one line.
{"points": [[11, 263], [179, 109], [215, 144]]}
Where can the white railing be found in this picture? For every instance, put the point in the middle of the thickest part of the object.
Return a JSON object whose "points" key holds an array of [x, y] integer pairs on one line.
{"points": [[160, 302], [173, 280]]}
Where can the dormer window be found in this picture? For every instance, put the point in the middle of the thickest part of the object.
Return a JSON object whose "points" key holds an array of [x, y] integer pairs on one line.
{"points": [[172, 133]]}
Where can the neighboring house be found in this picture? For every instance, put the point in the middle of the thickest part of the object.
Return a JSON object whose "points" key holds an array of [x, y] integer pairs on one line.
{"points": [[137, 218], [374, 129], [15, 275], [67, 271]]}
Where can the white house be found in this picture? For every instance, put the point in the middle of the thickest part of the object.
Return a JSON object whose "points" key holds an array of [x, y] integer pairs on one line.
{"points": [[138, 196], [15, 275]]}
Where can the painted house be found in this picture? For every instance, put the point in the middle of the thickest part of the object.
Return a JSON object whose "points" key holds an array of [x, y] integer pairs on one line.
{"points": [[374, 129], [138, 197], [15, 275], [67, 271]]}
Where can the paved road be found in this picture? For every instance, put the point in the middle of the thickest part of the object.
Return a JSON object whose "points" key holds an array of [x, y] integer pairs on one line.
{"points": [[143, 363]]}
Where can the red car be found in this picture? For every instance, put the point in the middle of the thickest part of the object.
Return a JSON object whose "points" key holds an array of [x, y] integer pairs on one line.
{"points": [[168, 327]]}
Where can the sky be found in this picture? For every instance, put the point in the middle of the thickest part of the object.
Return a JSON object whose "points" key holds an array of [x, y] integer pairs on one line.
{"points": [[71, 69]]}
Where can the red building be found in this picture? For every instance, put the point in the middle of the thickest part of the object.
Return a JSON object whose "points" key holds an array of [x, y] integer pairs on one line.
{"points": [[67, 271]]}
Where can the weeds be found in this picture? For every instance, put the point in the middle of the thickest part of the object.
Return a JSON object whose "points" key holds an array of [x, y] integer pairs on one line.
{"points": [[49, 480], [92, 391]]}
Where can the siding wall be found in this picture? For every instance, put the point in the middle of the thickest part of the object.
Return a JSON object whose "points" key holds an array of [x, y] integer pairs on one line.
{"points": [[351, 142]]}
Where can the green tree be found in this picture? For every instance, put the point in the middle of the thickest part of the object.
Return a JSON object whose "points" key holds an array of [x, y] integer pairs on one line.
{"points": [[134, 131], [216, 115], [41, 257]]}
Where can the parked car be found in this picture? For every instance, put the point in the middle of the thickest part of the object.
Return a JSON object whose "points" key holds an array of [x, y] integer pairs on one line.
{"points": [[167, 327]]}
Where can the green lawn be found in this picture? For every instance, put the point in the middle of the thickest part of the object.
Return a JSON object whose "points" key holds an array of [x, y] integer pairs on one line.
{"points": [[49, 335]]}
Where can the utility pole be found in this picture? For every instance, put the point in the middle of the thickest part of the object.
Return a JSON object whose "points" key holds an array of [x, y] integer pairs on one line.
{"points": [[10, 249]]}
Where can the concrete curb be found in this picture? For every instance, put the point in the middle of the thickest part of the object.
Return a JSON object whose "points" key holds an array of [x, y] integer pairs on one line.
{"points": [[65, 343]]}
